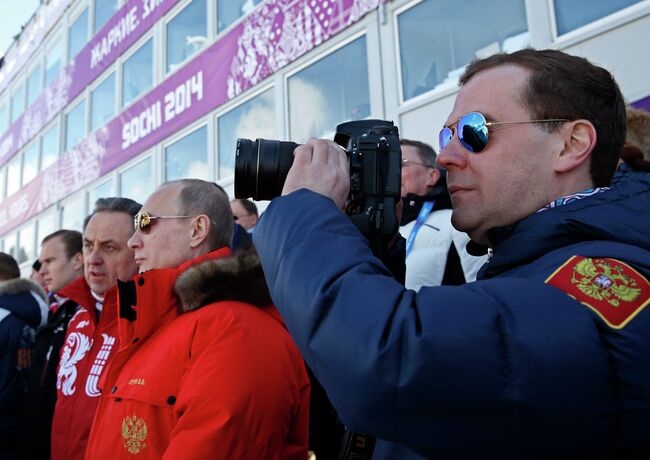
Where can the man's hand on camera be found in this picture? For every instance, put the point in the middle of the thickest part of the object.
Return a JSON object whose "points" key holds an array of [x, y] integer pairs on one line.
{"points": [[322, 166]]}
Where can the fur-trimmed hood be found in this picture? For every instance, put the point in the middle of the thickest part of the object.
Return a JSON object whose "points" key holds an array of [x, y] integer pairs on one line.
{"points": [[20, 285], [25, 299], [238, 277]]}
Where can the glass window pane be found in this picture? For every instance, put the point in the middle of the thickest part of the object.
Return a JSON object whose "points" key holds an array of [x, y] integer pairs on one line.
{"points": [[104, 10], [576, 13], [74, 212], [455, 32], [26, 249], [137, 182], [47, 224], [75, 125], [251, 120], [103, 190], [50, 146], [14, 174], [228, 11], [18, 103], [34, 86], [78, 35], [186, 33], [322, 96], [2, 183], [4, 123], [137, 75], [10, 244], [53, 63], [188, 157], [103, 103], [30, 163]]}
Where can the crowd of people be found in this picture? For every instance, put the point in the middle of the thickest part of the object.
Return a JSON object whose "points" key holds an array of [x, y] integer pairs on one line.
{"points": [[517, 328]]}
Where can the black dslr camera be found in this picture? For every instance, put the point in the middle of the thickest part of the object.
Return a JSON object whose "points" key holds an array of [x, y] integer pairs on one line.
{"points": [[373, 148]]}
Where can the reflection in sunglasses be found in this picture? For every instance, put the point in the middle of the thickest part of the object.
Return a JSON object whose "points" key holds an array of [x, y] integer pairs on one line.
{"points": [[143, 221]]}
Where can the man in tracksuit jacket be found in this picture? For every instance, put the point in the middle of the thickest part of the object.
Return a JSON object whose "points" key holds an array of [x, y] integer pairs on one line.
{"points": [[547, 354]]}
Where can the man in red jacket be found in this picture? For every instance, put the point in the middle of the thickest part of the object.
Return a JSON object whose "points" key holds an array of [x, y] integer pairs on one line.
{"points": [[91, 338], [206, 368]]}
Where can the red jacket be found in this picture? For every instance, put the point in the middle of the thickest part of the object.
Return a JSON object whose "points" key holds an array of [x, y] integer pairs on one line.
{"points": [[88, 347], [221, 381]]}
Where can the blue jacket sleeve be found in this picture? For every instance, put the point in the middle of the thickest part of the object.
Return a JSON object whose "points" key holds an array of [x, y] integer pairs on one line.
{"points": [[504, 363]]}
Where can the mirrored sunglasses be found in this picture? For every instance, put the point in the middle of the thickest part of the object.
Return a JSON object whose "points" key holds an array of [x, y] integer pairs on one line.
{"points": [[472, 130], [143, 221]]}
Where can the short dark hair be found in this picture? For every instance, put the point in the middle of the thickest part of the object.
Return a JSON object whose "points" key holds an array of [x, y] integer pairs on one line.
{"points": [[72, 241], [201, 197], [8, 267], [114, 204], [571, 87], [426, 153], [248, 205]]}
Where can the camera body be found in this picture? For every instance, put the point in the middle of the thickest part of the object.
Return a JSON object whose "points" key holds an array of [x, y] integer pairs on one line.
{"points": [[375, 156]]}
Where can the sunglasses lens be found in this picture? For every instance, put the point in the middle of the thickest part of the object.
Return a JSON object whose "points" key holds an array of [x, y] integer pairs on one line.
{"points": [[142, 222], [444, 137], [472, 132]]}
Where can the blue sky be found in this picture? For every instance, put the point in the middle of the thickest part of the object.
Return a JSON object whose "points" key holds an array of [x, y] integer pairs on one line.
{"points": [[15, 13]]}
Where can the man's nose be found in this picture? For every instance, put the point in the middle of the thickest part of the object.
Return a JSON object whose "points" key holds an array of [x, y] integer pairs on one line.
{"points": [[135, 241], [452, 156]]}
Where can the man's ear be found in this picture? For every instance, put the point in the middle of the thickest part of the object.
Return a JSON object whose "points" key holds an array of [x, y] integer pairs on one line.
{"points": [[579, 141], [200, 230], [78, 261], [432, 177]]}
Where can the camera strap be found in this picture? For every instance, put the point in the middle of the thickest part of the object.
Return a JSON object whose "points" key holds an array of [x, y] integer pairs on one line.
{"points": [[427, 207]]}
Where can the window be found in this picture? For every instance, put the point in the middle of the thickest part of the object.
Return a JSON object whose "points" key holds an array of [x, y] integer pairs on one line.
{"points": [[228, 11], [74, 213], [47, 224], [137, 75], [103, 102], [75, 125], [253, 119], [2, 183], [10, 245], [53, 63], [188, 157], [137, 181], [331, 91], [50, 146], [14, 174], [104, 10], [454, 36], [186, 33], [30, 163], [78, 35], [26, 249], [570, 15], [18, 103], [103, 190], [3, 119], [34, 85]]}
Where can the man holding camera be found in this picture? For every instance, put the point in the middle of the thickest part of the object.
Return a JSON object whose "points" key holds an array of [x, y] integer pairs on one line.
{"points": [[547, 354]]}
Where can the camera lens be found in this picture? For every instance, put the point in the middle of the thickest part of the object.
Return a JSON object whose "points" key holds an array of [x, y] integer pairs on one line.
{"points": [[261, 167]]}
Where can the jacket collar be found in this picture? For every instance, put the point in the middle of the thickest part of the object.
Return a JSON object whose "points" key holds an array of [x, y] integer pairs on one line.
{"points": [[613, 215]]}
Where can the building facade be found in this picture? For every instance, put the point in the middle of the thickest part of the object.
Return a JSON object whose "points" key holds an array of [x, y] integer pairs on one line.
{"points": [[113, 97]]}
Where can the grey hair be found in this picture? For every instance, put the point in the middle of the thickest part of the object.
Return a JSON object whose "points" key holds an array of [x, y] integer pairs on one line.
{"points": [[114, 204], [201, 197]]}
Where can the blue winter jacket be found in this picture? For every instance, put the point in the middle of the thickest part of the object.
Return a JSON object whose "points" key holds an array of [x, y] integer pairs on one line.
{"points": [[506, 367], [22, 311]]}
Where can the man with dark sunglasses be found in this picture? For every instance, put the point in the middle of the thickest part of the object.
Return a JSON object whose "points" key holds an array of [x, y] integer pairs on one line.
{"points": [[206, 368], [546, 355]]}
